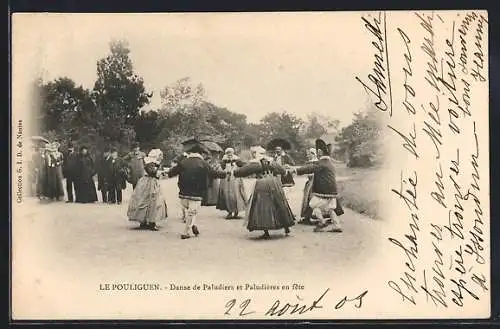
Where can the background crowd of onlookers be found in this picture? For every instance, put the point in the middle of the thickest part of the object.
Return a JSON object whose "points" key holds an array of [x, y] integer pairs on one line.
{"points": [[50, 168]]}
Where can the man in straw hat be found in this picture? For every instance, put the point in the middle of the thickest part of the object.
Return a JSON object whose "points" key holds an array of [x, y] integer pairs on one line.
{"points": [[193, 172], [324, 188]]}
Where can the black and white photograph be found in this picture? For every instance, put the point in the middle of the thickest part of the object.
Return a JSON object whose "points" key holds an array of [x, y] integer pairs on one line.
{"points": [[243, 166]]}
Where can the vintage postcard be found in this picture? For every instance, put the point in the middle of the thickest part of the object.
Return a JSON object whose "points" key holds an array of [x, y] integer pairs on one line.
{"points": [[243, 166]]}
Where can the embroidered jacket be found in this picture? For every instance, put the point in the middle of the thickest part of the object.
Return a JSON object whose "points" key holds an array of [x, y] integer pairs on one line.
{"points": [[324, 180], [193, 172]]}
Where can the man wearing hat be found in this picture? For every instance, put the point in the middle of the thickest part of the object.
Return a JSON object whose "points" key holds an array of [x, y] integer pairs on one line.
{"points": [[136, 164], [115, 177], [103, 174], [283, 159], [193, 172], [324, 188], [70, 171]]}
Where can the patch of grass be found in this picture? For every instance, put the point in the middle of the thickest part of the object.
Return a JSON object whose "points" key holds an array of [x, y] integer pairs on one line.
{"points": [[358, 192]]}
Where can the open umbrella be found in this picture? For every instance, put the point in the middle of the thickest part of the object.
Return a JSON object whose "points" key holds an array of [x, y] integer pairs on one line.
{"points": [[212, 146], [194, 143], [283, 143], [40, 139]]}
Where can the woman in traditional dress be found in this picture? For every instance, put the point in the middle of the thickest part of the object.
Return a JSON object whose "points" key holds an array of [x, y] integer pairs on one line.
{"points": [[85, 190], [232, 196], [213, 183], [306, 210], [268, 208], [147, 204], [54, 189], [41, 173]]}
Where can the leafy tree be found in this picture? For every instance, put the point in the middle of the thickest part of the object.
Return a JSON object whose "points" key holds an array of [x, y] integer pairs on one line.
{"points": [[318, 125], [284, 125], [183, 94], [119, 94], [66, 111], [118, 91], [148, 126], [360, 142]]}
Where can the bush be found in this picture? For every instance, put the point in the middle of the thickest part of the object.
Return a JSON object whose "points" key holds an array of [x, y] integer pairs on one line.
{"points": [[359, 192]]}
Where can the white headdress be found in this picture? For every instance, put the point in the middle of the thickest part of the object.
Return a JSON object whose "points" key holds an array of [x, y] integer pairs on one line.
{"points": [[149, 159], [229, 150], [259, 151], [156, 154]]}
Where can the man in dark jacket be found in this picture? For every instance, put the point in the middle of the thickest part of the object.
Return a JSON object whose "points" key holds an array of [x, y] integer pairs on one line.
{"points": [[193, 172], [324, 189], [70, 171], [102, 174], [116, 177]]}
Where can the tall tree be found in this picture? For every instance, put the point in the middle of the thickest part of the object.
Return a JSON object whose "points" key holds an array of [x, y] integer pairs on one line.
{"points": [[118, 91], [119, 94]]}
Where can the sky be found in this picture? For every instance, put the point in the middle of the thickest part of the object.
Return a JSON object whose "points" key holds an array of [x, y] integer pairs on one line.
{"points": [[249, 63]]}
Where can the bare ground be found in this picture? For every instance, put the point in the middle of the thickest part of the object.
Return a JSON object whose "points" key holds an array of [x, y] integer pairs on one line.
{"points": [[97, 242]]}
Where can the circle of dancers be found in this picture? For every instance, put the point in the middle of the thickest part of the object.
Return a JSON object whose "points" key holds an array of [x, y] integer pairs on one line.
{"points": [[203, 180]]}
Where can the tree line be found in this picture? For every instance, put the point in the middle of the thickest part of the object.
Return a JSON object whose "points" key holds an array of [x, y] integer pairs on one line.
{"points": [[112, 114]]}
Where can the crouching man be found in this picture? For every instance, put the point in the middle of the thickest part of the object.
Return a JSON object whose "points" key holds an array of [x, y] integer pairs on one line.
{"points": [[324, 189]]}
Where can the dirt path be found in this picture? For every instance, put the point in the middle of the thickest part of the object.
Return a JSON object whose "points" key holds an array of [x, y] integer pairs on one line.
{"points": [[94, 242]]}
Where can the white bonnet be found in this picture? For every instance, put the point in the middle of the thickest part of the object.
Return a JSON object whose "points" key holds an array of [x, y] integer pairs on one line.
{"points": [[149, 159], [156, 153]]}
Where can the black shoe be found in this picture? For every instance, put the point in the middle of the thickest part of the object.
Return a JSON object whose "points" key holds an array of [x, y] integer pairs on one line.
{"points": [[69, 201], [287, 230], [195, 230], [229, 216], [143, 226], [185, 236], [265, 236]]}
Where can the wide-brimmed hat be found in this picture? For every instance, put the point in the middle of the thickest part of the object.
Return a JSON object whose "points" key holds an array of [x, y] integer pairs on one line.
{"points": [[279, 142], [212, 146], [321, 145]]}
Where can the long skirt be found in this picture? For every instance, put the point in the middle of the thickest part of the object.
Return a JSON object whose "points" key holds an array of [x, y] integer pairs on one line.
{"points": [[268, 208], [212, 196], [306, 211], [85, 191], [147, 204], [41, 182], [54, 188], [232, 196]]}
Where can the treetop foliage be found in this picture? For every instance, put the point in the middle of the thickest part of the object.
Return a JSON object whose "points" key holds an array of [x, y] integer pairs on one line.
{"points": [[112, 114]]}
